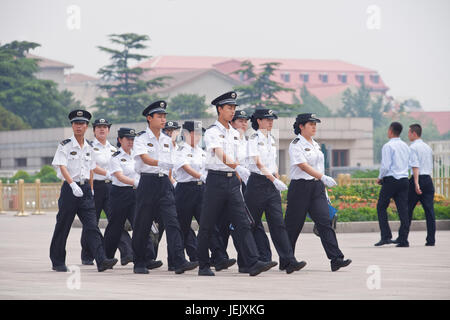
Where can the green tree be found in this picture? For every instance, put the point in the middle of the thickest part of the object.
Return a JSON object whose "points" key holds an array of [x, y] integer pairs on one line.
{"points": [[260, 91], [187, 106], [9, 121], [127, 93], [310, 103], [37, 102]]}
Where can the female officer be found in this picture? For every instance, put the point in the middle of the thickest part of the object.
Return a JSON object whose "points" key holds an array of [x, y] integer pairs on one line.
{"points": [[123, 198], [263, 192], [306, 193], [102, 151]]}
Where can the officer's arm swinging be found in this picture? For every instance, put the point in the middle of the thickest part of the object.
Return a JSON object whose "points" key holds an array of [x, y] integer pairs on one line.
{"points": [[310, 170], [224, 158], [148, 160], [191, 171], [123, 178], [263, 169]]}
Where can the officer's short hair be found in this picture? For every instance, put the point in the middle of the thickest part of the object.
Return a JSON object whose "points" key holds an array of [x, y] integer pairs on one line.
{"points": [[396, 128], [417, 128]]}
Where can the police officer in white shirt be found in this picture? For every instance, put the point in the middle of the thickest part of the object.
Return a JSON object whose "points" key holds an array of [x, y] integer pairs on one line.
{"points": [[421, 186], [263, 192], [190, 161], [123, 197], [306, 193], [154, 196], [102, 151], [222, 193], [393, 178], [74, 164]]}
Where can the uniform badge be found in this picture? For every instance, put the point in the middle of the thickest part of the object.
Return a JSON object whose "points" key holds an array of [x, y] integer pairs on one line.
{"points": [[307, 149], [96, 149], [189, 155], [79, 113], [111, 150], [166, 145], [221, 136], [123, 159], [233, 95], [236, 138], [73, 153], [150, 144], [162, 104], [170, 123], [102, 121], [261, 143]]}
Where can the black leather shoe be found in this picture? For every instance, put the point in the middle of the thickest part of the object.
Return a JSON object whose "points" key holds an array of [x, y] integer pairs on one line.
{"points": [[205, 272], [429, 244], [153, 264], [383, 242], [402, 245], [170, 268], [186, 267], [295, 266], [259, 267], [140, 270], [224, 264], [339, 263], [87, 262], [126, 260], [107, 264], [243, 270], [62, 268]]}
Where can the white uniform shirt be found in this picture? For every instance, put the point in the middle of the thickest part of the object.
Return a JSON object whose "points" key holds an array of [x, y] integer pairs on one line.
{"points": [[242, 152], [77, 160], [102, 156], [394, 159], [158, 149], [265, 148], [301, 151], [217, 136], [122, 162], [194, 157], [421, 156]]}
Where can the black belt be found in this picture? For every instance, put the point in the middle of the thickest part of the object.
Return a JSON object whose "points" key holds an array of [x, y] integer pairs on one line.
{"points": [[159, 175], [82, 182], [101, 181], [228, 174], [192, 183], [306, 180]]}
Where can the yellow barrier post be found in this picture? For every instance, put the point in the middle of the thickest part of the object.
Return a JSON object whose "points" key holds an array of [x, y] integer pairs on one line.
{"points": [[21, 198], [1, 198], [38, 211]]}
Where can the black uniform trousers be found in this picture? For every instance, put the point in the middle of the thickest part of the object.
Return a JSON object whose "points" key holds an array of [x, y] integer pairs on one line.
{"points": [[123, 206], [188, 199], [426, 199], [223, 198], [398, 190], [102, 202], [68, 207], [308, 196], [155, 195], [262, 197]]}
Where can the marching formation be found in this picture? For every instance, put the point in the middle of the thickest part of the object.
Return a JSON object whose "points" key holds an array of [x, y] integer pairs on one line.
{"points": [[152, 183]]}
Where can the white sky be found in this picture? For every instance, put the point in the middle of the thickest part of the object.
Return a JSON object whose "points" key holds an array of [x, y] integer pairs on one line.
{"points": [[410, 50]]}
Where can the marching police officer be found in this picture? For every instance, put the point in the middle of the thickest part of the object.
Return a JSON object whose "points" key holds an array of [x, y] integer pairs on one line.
{"points": [[421, 186], [306, 193], [123, 197], [154, 196], [393, 178], [191, 177], [74, 162], [222, 192], [102, 151], [263, 192]]}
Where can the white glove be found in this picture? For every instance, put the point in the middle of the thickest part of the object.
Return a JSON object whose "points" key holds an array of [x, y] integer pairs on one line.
{"points": [[203, 178], [165, 165], [108, 175], [92, 190], [175, 184], [243, 173], [136, 183], [76, 190], [279, 185], [328, 181]]}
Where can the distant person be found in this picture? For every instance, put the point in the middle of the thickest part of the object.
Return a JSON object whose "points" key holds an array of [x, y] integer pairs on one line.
{"points": [[420, 184], [393, 178]]}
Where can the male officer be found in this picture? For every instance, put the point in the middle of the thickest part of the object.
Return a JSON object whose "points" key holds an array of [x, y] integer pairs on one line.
{"points": [[154, 195], [222, 192], [74, 164], [393, 178], [420, 184]]}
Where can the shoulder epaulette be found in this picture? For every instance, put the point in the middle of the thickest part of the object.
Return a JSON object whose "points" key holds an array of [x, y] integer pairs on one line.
{"points": [[116, 153], [63, 143], [253, 136], [295, 140], [213, 125], [180, 148], [140, 133], [90, 143]]}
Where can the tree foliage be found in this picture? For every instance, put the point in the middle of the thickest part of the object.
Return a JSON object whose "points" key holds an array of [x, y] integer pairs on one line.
{"points": [[187, 106]]}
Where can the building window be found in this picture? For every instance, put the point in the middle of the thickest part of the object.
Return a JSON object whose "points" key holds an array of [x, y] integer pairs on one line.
{"points": [[46, 161], [304, 77], [20, 162], [323, 77], [340, 158], [360, 78], [286, 77], [342, 77], [374, 78]]}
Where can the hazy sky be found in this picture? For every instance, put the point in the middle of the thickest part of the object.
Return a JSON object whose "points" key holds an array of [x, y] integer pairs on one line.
{"points": [[407, 41]]}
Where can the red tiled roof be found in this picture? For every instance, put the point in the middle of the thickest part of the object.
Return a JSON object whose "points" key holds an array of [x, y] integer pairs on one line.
{"points": [[441, 119], [78, 77], [48, 63]]}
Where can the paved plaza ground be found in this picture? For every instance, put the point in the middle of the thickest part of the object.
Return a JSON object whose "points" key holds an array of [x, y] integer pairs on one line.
{"points": [[387, 272]]}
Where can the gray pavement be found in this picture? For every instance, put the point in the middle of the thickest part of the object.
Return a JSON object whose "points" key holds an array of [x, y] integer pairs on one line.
{"points": [[387, 272]]}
